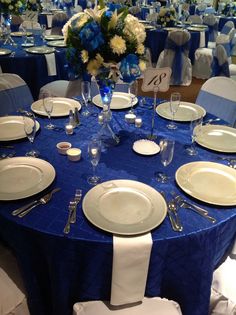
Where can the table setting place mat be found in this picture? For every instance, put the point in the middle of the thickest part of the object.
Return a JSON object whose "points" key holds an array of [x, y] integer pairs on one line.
{"points": [[51, 64], [131, 255]]}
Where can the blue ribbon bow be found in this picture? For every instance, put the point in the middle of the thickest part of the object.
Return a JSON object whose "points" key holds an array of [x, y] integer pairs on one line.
{"points": [[219, 70]]}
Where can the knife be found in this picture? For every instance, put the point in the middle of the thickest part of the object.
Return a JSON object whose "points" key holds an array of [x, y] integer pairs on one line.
{"points": [[31, 204]]}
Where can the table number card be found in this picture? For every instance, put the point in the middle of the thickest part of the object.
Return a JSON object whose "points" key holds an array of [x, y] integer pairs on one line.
{"points": [[31, 16], [156, 79]]}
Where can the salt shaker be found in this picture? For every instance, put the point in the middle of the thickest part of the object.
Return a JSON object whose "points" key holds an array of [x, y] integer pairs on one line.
{"points": [[76, 117], [72, 118]]}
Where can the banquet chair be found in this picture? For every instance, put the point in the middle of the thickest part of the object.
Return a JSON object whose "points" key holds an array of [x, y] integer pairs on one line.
{"points": [[175, 56], [218, 96], [212, 23], [220, 63], [14, 93], [31, 26], [149, 306], [227, 27], [58, 21], [61, 88], [195, 19], [16, 22], [12, 298]]}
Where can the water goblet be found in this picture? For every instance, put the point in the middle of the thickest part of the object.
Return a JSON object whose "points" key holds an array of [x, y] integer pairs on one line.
{"points": [[195, 129], [133, 92], [174, 105], [86, 94], [43, 34], [30, 131], [94, 151], [167, 152], [48, 107]]}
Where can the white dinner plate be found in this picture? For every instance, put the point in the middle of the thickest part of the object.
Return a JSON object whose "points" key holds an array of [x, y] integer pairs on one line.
{"points": [[119, 100], [195, 29], [210, 182], [27, 45], [146, 147], [171, 29], [40, 50], [124, 207], [56, 43], [61, 106], [12, 128], [54, 37], [184, 113], [200, 26], [19, 34], [4, 51], [218, 138], [22, 177]]}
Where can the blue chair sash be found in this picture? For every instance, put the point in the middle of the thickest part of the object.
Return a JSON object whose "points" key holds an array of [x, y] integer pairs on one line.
{"points": [[178, 59], [219, 70], [212, 31], [225, 30], [227, 48], [58, 23]]}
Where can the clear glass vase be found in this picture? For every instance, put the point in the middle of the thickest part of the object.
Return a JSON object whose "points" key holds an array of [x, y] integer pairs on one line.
{"points": [[106, 86]]}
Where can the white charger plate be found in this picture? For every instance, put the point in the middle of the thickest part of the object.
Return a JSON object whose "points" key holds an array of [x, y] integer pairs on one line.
{"points": [[119, 100], [20, 34], [146, 147], [184, 113], [56, 43], [40, 50], [124, 207], [54, 37], [61, 106], [218, 138], [22, 177], [12, 128], [210, 182], [4, 51]]}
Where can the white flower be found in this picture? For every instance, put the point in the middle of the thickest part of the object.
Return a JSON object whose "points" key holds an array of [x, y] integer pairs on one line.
{"points": [[117, 44], [134, 29], [68, 24]]}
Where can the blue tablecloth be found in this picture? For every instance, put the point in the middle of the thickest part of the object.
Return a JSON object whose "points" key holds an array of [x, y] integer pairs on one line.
{"points": [[156, 39], [32, 67], [223, 20], [60, 270]]}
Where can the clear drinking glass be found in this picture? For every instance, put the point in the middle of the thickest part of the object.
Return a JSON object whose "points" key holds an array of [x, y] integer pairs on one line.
{"points": [[195, 129], [43, 28], [133, 92], [30, 131], [94, 151], [174, 105], [86, 94], [167, 152], [48, 107]]}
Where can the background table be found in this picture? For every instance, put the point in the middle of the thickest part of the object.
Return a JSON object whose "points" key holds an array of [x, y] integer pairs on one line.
{"points": [[60, 270], [32, 67], [223, 20]]}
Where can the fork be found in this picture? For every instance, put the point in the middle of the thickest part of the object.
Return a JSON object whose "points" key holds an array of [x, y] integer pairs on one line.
{"points": [[173, 207], [77, 198], [71, 209], [173, 223]]}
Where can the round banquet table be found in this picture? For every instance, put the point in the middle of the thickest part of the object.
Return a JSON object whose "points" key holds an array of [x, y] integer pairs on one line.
{"points": [[32, 68], [155, 40], [59, 270]]}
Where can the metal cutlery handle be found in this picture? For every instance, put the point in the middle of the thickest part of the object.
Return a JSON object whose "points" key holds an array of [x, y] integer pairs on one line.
{"points": [[21, 209], [174, 226], [213, 220], [199, 209], [23, 213], [67, 226]]}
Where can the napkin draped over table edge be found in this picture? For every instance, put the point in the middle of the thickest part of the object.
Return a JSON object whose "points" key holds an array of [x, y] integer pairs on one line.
{"points": [[51, 64], [131, 256]]}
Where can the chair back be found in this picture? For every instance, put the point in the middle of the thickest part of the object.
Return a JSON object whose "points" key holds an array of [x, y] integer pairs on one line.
{"points": [[224, 40], [175, 56], [220, 64], [14, 93], [227, 27], [31, 26], [200, 9], [16, 22], [58, 21], [212, 23], [195, 19], [218, 96]]}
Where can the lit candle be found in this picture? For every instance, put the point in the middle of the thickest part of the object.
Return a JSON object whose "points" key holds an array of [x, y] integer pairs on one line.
{"points": [[138, 122], [100, 118], [69, 129], [94, 152], [130, 118]]}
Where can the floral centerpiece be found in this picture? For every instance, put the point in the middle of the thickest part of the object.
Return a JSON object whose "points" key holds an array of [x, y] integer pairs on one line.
{"points": [[34, 5], [12, 6], [167, 17]]}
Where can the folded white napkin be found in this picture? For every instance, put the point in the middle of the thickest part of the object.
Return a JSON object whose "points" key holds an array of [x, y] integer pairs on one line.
{"points": [[49, 20], [233, 252], [51, 64], [131, 255], [202, 42]]}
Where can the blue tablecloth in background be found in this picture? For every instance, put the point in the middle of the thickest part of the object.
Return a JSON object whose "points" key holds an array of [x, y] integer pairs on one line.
{"points": [[60, 270], [223, 20]]}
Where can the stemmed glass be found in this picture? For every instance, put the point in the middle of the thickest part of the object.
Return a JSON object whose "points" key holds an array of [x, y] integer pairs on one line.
{"points": [[43, 28], [174, 105], [48, 107], [133, 92], [195, 129], [167, 152], [94, 151], [86, 94], [30, 131]]}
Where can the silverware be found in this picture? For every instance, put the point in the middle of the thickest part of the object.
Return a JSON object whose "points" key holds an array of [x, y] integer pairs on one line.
{"points": [[173, 223], [209, 121], [71, 209], [22, 211], [77, 198], [173, 207]]}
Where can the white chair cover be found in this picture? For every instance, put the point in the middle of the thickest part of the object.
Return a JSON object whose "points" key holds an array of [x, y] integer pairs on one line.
{"points": [[58, 21], [218, 96], [220, 64], [31, 26], [61, 88], [196, 19], [14, 93], [212, 23], [227, 27], [149, 306], [175, 56], [12, 298]]}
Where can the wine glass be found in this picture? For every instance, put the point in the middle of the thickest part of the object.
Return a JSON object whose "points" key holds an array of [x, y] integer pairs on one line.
{"points": [[48, 107], [167, 152], [86, 94], [43, 28], [94, 151], [174, 105], [133, 92], [30, 131], [195, 129]]}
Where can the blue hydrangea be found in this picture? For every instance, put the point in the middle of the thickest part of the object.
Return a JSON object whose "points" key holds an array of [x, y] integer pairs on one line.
{"points": [[91, 36], [129, 68]]}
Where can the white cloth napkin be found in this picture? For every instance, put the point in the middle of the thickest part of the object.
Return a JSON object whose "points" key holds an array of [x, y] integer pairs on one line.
{"points": [[202, 42], [131, 255], [49, 20], [51, 64]]}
